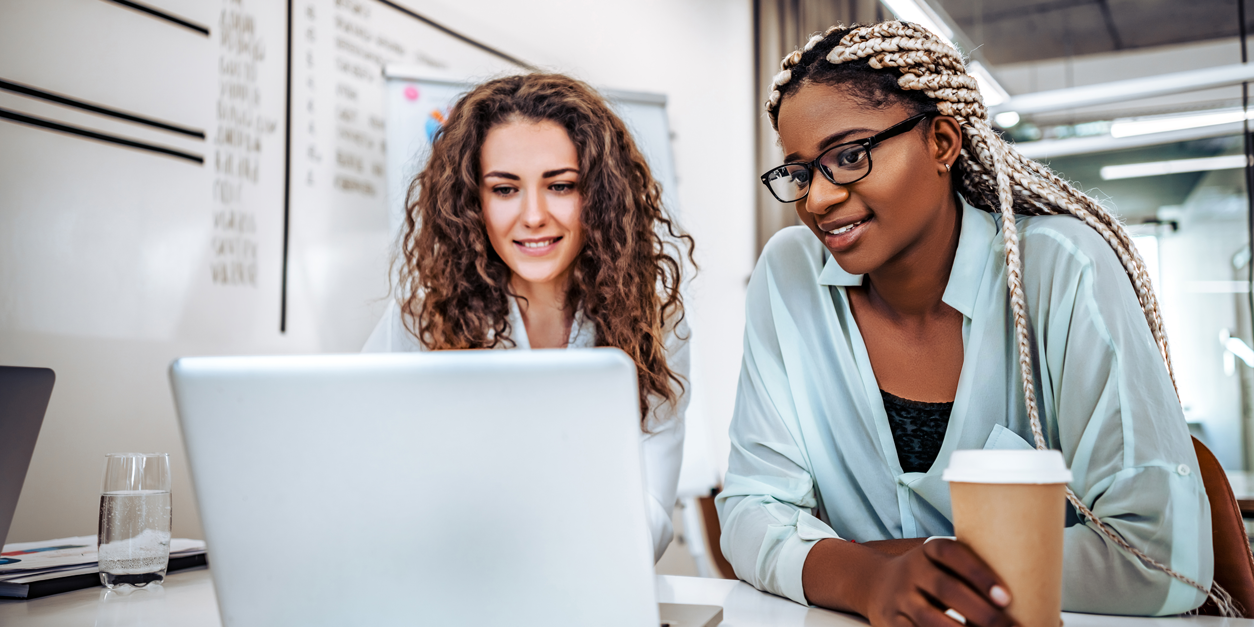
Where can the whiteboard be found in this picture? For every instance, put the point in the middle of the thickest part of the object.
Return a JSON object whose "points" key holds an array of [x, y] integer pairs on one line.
{"points": [[187, 231], [418, 99]]}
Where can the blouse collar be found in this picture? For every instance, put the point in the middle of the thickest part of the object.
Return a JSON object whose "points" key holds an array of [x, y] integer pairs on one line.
{"points": [[975, 241], [582, 335]]}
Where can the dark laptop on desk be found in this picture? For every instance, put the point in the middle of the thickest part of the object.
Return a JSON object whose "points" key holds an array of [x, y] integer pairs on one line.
{"points": [[24, 394]]}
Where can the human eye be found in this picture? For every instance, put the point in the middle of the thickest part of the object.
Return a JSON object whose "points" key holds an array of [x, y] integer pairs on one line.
{"points": [[504, 191], [562, 187], [851, 157]]}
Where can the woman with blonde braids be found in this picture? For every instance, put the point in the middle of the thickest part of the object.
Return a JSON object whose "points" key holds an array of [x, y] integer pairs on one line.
{"points": [[536, 223], [930, 304]]}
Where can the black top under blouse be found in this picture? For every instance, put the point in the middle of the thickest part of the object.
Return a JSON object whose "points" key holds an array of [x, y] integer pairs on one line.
{"points": [[918, 430]]}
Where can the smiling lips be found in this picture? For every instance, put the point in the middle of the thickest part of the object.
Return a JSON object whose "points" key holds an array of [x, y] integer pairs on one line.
{"points": [[842, 237], [537, 247]]}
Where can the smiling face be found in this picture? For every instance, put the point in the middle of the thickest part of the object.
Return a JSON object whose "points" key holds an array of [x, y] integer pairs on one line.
{"points": [[531, 204], [899, 206]]}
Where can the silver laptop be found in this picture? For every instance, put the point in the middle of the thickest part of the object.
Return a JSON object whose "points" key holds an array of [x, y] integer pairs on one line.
{"points": [[449, 488], [24, 394]]}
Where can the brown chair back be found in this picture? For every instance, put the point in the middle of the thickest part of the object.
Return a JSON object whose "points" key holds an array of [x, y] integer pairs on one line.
{"points": [[709, 516], [1234, 565]]}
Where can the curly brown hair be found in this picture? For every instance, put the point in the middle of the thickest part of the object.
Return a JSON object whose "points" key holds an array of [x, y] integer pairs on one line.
{"points": [[626, 279]]}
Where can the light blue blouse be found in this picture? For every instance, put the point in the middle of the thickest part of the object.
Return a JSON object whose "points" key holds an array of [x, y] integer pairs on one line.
{"points": [[812, 455]]}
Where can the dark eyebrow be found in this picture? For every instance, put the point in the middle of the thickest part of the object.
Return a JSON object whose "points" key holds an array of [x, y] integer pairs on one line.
{"points": [[831, 140], [502, 175], [552, 173]]}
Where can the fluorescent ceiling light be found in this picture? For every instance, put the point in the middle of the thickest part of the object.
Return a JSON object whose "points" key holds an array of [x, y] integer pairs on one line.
{"points": [[1006, 119], [1129, 127], [1158, 168], [1051, 148], [1131, 89], [920, 13], [989, 87]]}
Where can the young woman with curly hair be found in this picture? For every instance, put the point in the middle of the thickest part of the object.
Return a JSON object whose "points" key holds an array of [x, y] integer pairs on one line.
{"points": [[536, 223], [944, 293]]}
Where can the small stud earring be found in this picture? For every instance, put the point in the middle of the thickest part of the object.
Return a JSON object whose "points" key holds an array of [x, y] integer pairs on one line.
{"points": [[946, 167]]}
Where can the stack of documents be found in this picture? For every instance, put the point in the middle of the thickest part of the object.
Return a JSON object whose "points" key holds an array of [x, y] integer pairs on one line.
{"points": [[35, 569]]}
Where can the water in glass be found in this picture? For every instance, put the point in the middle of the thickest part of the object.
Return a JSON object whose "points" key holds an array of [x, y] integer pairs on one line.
{"points": [[134, 537], [134, 532]]}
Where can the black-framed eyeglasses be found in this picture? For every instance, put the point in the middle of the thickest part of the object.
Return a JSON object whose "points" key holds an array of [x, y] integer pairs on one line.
{"points": [[841, 164]]}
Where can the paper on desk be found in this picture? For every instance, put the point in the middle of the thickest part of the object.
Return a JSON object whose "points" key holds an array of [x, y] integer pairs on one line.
{"points": [[23, 559]]}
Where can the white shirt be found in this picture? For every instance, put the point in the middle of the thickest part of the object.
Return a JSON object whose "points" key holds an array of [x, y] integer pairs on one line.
{"points": [[661, 448], [813, 456]]}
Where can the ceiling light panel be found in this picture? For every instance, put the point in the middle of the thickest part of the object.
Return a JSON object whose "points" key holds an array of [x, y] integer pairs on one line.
{"points": [[1163, 123], [1159, 168]]}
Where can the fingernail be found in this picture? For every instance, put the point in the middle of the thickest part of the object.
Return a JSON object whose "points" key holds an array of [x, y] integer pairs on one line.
{"points": [[999, 596]]}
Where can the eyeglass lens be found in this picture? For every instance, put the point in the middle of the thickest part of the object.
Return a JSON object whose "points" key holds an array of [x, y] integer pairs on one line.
{"points": [[842, 165]]}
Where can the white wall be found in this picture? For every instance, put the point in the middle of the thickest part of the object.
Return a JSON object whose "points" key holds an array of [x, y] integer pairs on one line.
{"points": [[112, 393]]}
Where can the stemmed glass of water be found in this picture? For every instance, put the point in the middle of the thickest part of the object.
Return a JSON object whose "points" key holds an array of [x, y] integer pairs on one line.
{"points": [[134, 535]]}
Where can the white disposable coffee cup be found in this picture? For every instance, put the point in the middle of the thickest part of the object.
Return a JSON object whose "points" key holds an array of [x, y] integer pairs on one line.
{"points": [[1010, 508]]}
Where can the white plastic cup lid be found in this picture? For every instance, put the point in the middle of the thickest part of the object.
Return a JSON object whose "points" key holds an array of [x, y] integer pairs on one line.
{"points": [[1003, 466]]}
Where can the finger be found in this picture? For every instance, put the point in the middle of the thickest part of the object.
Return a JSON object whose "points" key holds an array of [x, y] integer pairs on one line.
{"points": [[925, 614], [903, 620], [896, 618], [954, 597], [960, 560]]}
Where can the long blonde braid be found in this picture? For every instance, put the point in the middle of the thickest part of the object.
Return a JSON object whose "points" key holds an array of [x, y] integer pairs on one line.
{"points": [[991, 173]]}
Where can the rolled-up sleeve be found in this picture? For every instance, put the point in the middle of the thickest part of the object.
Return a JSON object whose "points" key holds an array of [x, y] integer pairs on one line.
{"points": [[1123, 432], [765, 508]]}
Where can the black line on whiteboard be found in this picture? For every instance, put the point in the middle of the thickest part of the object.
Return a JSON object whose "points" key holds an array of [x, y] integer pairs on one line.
{"points": [[20, 118], [287, 175], [27, 90], [157, 13], [452, 33]]}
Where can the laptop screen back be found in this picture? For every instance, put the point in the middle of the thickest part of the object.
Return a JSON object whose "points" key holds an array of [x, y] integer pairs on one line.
{"points": [[24, 394], [457, 487]]}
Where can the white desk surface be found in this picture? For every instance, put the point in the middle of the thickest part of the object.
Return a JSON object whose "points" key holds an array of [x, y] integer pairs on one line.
{"points": [[187, 600]]}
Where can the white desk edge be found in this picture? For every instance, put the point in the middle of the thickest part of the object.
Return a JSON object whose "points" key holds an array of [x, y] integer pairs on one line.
{"points": [[187, 600]]}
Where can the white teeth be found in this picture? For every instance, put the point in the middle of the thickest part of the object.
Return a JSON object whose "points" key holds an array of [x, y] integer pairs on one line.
{"points": [[540, 244], [845, 229]]}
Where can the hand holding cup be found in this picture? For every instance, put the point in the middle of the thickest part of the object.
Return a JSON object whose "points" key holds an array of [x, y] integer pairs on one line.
{"points": [[942, 582], [1009, 507]]}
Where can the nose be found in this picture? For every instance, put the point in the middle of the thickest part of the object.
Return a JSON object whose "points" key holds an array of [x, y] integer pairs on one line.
{"points": [[824, 195], [535, 211]]}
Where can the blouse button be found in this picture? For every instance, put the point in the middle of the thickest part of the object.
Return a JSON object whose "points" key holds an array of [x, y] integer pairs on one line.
{"points": [[1183, 470]]}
